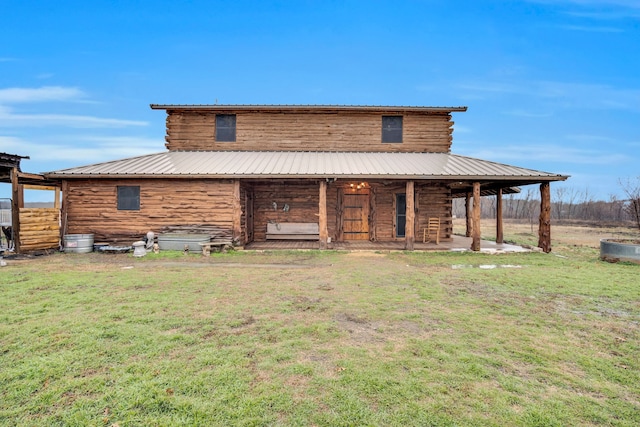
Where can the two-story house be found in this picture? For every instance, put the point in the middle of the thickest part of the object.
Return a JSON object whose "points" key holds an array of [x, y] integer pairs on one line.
{"points": [[338, 173]]}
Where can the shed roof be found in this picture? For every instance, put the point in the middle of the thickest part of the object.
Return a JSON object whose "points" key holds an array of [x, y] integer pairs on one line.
{"points": [[297, 164], [307, 108]]}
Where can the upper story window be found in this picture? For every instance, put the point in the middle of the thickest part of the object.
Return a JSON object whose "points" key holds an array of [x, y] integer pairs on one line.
{"points": [[128, 198], [226, 127], [391, 128]]}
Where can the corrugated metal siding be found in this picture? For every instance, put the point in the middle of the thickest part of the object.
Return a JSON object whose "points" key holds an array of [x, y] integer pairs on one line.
{"points": [[270, 164]]}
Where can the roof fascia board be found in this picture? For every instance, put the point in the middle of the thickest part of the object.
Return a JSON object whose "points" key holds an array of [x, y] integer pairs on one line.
{"points": [[481, 179], [307, 108]]}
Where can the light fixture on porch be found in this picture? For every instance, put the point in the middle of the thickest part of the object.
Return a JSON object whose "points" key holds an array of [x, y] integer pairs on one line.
{"points": [[358, 186]]}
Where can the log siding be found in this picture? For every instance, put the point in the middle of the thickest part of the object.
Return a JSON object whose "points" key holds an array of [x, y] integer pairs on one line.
{"points": [[90, 207], [340, 131], [301, 199]]}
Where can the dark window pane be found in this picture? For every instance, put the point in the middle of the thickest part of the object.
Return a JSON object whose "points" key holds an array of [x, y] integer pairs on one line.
{"points": [[402, 223], [226, 127], [401, 202], [128, 198], [391, 128]]}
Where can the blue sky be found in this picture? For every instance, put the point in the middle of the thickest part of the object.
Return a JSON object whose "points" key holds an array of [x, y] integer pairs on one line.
{"points": [[550, 85]]}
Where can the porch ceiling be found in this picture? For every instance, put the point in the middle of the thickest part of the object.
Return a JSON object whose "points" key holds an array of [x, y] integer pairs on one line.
{"points": [[310, 165]]}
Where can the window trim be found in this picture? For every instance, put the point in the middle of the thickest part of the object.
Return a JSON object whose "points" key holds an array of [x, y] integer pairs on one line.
{"points": [[127, 202], [225, 133], [390, 133]]}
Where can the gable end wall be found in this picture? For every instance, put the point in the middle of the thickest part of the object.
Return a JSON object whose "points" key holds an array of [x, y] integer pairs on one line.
{"points": [[290, 131]]}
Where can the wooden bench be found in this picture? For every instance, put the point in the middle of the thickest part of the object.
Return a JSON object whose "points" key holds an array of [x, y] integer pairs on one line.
{"points": [[293, 231], [219, 246]]}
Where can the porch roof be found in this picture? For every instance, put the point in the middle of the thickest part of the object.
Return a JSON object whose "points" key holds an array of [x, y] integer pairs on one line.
{"points": [[308, 165]]}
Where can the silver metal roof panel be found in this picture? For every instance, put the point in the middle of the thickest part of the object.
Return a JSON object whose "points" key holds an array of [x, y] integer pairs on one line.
{"points": [[296, 164]]}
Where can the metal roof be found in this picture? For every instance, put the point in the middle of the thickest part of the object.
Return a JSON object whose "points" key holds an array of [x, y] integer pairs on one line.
{"points": [[298, 164], [306, 108]]}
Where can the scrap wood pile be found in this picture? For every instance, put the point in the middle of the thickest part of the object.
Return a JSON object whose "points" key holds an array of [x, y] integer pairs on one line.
{"points": [[216, 234]]}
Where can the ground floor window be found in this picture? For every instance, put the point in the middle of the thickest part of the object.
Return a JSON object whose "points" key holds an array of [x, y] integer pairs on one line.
{"points": [[401, 214], [128, 198]]}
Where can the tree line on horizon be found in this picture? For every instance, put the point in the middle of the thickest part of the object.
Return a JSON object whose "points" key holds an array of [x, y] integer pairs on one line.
{"points": [[567, 204]]}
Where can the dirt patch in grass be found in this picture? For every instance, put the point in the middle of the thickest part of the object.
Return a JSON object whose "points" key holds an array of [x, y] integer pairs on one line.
{"points": [[562, 234], [366, 254]]}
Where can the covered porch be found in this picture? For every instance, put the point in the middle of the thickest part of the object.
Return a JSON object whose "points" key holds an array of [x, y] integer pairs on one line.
{"points": [[456, 243]]}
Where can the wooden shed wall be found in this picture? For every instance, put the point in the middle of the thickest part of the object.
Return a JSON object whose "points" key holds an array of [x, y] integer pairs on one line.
{"points": [[39, 229], [90, 206], [343, 131]]}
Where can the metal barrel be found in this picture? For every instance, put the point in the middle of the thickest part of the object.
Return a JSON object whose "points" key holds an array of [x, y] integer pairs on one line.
{"points": [[78, 243]]}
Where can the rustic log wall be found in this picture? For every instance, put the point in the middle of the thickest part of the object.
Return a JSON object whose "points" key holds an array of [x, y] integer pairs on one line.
{"points": [[338, 131], [302, 199], [385, 210], [39, 229], [434, 200], [90, 206]]}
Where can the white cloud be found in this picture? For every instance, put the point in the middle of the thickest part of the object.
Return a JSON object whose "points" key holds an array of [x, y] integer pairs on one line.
{"points": [[10, 119], [461, 129], [585, 138], [550, 153], [630, 4], [14, 95], [81, 149], [528, 114], [592, 29], [561, 94], [10, 144]]}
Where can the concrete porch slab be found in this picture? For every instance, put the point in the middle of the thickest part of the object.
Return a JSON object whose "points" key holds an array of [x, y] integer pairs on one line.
{"points": [[456, 244]]}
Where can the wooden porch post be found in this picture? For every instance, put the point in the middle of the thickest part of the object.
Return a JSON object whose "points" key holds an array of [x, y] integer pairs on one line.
{"points": [[63, 210], [544, 229], [475, 244], [237, 213], [409, 230], [322, 220], [467, 207], [499, 230], [16, 203]]}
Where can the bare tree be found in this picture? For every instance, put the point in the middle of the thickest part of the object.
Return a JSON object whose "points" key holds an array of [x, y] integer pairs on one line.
{"points": [[572, 196], [616, 208], [559, 201], [632, 191], [532, 206]]}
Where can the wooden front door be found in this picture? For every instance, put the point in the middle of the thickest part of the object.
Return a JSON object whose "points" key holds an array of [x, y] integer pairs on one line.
{"points": [[355, 220]]}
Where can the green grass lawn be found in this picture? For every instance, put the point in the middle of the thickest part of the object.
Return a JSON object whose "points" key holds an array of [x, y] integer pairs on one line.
{"points": [[320, 338]]}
